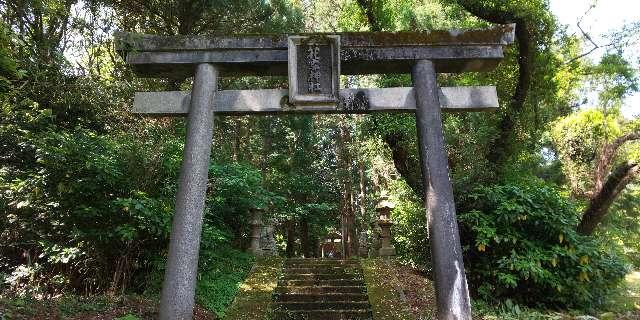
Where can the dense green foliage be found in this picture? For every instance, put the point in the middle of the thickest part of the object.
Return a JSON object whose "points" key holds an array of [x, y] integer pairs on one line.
{"points": [[623, 226], [521, 243], [222, 269], [580, 137]]}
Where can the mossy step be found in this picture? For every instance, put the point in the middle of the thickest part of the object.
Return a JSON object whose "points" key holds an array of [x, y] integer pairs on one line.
{"points": [[322, 297], [323, 269], [316, 282], [323, 276], [323, 289], [324, 315], [321, 262], [322, 305]]}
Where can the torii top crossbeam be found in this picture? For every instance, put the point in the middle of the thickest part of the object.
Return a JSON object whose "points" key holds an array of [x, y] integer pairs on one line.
{"points": [[452, 51]]}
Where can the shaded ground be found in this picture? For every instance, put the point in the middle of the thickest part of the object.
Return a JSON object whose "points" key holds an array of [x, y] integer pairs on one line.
{"points": [[386, 294], [419, 292], [623, 306], [395, 289], [253, 301], [395, 292], [91, 308], [627, 304], [633, 281]]}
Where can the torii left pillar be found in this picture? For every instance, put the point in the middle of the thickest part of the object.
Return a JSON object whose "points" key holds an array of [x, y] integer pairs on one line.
{"points": [[178, 288]]}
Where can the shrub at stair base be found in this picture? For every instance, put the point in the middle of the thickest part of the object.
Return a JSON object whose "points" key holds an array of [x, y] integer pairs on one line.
{"points": [[522, 244], [221, 271]]}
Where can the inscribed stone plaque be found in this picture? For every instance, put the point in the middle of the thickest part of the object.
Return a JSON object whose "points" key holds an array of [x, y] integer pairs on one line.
{"points": [[314, 70]]}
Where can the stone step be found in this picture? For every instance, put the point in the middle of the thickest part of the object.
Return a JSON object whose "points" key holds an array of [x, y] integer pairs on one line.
{"points": [[323, 297], [323, 269], [321, 264], [322, 305], [315, 282], [322, 289], [323, 261], [322, 276], [324, 315]]}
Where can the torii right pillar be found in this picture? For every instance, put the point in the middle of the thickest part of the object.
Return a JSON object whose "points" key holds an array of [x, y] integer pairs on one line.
{"points": [[452, 293]]}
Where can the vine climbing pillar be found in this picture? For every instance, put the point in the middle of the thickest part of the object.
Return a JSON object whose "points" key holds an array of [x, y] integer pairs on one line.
{"points": [[452, 294], [178, 289]]}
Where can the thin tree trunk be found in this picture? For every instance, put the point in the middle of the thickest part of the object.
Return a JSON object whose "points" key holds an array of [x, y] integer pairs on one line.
{"points": [[267, 142], [305, 239], [363, 197], [291, 240], [607, 156], [353, 227], [235, 145], [344, 162], [363, 206]]}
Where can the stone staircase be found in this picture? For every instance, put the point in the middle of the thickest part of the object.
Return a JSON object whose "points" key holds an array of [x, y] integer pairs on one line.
{"points": [[321, 289]]}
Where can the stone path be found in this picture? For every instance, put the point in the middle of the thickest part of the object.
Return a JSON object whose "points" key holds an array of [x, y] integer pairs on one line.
{"points": [[315, 289]]}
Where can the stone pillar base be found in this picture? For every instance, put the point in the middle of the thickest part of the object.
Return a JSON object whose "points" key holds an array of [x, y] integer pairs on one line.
{"points": [[387, 252]]}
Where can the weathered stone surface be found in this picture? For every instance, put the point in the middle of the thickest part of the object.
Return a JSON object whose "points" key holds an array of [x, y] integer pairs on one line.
{"points": [[360, 53], [321, 289], [314, 69], [452, 294], [363, 241], [268, 240], [452, 99], [500, 35], [383, 209], [256, 230], [178, 289], [359, 61]]}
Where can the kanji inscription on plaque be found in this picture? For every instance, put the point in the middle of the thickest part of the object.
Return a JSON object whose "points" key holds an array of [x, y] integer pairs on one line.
{"points": [[314, 69]]}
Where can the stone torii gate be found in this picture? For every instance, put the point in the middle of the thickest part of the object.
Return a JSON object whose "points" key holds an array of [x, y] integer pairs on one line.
{"points": [[314, 63]]}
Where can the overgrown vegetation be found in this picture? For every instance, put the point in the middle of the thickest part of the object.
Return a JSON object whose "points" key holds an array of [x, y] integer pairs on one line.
{"points": [[521, 244], [255, 295], [384, 290]]}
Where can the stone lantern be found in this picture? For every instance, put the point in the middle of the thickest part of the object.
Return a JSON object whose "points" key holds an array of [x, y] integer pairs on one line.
{"points": [[384, 209], [256, 231]]}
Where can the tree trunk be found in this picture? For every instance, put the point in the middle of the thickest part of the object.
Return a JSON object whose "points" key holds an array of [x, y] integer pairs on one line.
{"points": [[291, 240], [503, 144], [305, 239], [267, 142], [601, 201], [353, 227], [607, 155], [370, 7], [347, 212], [235, 144], [408, 169], [363, 207], [347, 221]]}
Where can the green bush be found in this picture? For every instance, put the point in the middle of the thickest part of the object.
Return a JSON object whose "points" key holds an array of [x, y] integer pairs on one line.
{"points": [[521, 244], [86, 214], [409, 232], [92, 212], [221, 270]]}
